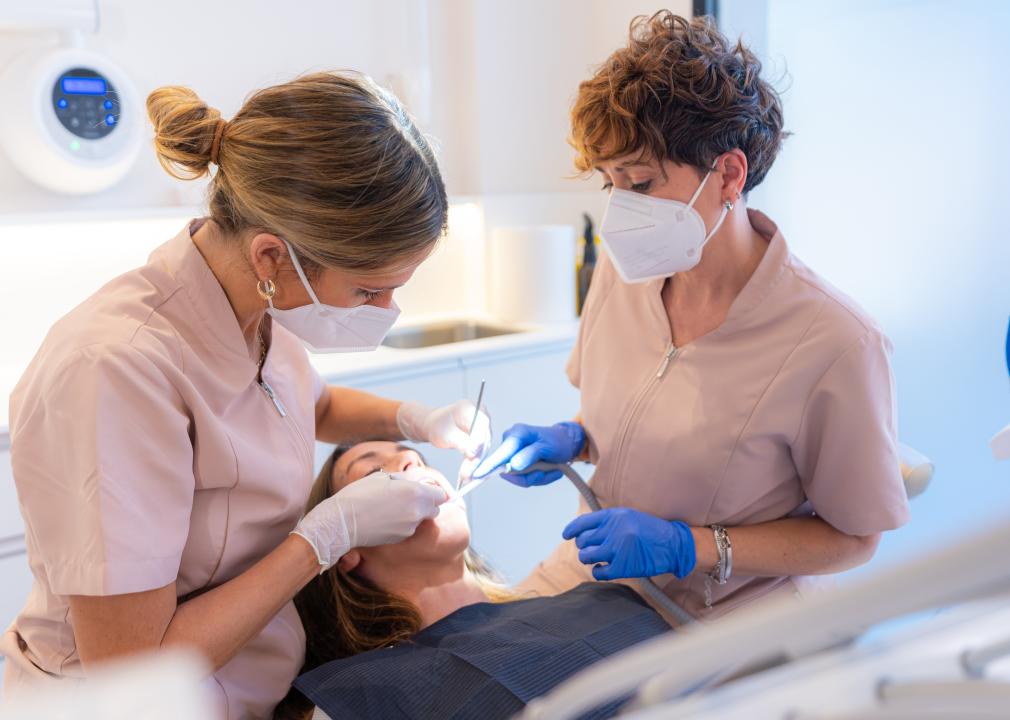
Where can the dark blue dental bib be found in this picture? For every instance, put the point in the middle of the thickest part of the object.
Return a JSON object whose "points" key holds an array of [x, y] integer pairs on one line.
{"points": [[486, 660]]}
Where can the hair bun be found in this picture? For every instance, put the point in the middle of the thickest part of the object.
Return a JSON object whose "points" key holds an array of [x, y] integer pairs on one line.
{"points": [[184, 131]]}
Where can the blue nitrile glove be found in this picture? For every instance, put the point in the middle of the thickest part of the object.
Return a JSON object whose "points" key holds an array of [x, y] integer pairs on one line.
{"points": [[633, 543], [525, 445]]}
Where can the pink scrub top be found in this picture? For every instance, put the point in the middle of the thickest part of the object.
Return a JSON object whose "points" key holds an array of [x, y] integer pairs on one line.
{"points": [[786, 409], [145, 452]]}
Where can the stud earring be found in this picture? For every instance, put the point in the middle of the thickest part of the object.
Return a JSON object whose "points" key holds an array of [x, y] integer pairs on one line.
{"points": [[266, 289]]}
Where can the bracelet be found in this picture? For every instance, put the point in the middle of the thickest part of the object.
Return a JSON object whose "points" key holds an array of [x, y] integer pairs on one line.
{"points": [[724, 567]]}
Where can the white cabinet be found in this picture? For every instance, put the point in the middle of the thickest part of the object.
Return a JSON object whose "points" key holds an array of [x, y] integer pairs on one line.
{"points": [[15, 580], [10, 515], [433, 384], [515, 528], [15, 577]]}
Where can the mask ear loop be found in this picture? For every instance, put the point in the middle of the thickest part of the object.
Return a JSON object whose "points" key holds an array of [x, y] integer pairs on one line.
{"points": [[726, 206], [301, 273]]}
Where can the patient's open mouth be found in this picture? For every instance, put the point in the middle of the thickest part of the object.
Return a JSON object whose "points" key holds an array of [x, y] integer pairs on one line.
{"points": [[425, 475]]}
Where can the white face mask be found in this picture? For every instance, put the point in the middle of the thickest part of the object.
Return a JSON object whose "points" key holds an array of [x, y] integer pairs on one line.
{"points": [[330, 329], [649, 238]]}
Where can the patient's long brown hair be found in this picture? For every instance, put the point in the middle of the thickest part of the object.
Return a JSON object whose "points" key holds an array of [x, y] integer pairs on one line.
{"points": [[344, 614]]}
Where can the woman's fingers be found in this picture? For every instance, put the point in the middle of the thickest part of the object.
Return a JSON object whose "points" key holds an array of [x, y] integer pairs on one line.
{"points": [[596, 554], [606, 572], [514, 439], [589, 521]]}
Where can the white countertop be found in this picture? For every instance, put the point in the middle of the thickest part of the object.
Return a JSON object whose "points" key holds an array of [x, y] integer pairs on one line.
{"points": [[339, 367]]}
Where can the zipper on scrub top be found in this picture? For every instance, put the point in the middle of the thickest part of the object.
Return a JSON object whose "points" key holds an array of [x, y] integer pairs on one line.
{"points": [[671, 353], [273, 397], [668, 356]]}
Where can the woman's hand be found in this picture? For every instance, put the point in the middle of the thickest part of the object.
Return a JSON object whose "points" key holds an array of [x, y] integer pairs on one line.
{"points": [[632, 544], [525, 445], [446, 427], [379, 509]]}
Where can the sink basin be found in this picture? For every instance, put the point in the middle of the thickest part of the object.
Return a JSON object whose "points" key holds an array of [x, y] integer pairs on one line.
{"points": [[444, 333]]}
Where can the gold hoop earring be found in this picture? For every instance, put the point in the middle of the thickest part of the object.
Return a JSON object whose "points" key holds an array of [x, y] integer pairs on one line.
{"points": [[266, 289]]}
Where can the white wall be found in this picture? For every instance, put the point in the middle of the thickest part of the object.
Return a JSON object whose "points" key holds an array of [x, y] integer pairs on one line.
{"points": [[223, 50], [895, 188], [501, 76], [530, 57]]}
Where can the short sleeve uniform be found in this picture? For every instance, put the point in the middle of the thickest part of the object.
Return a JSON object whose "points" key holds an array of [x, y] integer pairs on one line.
{"points": [[787, 408], [145, 452]]}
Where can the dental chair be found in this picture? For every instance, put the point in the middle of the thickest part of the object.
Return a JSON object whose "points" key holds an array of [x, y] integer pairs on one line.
{"points": [[917, 472], [664, 675]]}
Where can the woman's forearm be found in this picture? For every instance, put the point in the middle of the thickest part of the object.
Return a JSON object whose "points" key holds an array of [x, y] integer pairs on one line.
{"points": [[216, 624], [791, 546], [345, 416], [222, 621]]}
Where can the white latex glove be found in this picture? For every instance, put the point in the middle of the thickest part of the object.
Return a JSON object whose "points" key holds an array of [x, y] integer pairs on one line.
{"points": [[379, 509], [445, 427]]}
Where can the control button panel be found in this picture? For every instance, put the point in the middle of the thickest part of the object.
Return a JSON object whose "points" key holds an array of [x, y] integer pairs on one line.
{"points": [[86, 103]]}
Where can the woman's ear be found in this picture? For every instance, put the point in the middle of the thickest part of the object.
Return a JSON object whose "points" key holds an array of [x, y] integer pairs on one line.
{"points": [[734, 174], [266, 253], [349, 561]]}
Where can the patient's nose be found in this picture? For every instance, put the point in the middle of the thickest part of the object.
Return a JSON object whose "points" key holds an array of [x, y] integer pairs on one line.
{"points": [[407, 460]]}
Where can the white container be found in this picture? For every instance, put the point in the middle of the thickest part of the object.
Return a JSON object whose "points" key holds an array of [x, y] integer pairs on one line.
{"points": [[531, 274]]}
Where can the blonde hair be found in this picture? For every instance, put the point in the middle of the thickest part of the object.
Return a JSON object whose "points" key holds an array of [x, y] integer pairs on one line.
{"points": [[330, 161]]}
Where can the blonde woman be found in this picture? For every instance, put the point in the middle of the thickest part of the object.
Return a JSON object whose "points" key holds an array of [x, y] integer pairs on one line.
{"points": [[162, 437]]}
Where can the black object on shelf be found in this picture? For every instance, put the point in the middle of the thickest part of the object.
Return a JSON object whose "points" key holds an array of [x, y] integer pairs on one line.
{"points": [[588, 260], [706, 7]]}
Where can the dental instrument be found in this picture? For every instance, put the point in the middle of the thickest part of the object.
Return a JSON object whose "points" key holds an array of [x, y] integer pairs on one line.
{"points": [[468, 488], [469, 484], [476, 409]]}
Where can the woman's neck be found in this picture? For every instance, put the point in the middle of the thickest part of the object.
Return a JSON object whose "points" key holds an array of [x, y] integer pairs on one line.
{"points": [[727, 263], [235, 277], [435, 589]]}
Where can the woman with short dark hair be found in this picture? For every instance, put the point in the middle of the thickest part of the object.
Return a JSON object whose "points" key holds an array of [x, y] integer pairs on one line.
{"points": [[739, 409]]}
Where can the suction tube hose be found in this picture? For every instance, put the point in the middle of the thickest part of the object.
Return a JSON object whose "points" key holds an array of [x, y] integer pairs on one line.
{"points": [[645, 585]]}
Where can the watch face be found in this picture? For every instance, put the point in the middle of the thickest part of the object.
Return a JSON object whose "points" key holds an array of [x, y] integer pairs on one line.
{"points": [[86, 103]]}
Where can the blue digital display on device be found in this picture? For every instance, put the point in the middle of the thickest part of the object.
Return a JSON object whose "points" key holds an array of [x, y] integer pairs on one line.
{"points": [[83, 86]]}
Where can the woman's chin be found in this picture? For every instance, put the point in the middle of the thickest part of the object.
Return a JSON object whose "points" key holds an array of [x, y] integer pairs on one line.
{"points": [[447, 529]]}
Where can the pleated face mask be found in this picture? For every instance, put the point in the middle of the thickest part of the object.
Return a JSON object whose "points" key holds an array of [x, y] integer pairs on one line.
{"points": [[649, 237], [331, 329]]}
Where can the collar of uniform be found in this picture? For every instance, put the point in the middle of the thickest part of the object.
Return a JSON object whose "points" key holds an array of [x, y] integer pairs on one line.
{"points": [[217, 323], [765, 277]]}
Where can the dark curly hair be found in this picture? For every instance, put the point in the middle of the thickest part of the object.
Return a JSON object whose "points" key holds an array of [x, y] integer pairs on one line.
{"points": [[678, 91]]}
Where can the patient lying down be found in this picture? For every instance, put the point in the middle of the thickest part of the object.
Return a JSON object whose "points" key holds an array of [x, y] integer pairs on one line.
{"points": [[422, 628]]}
